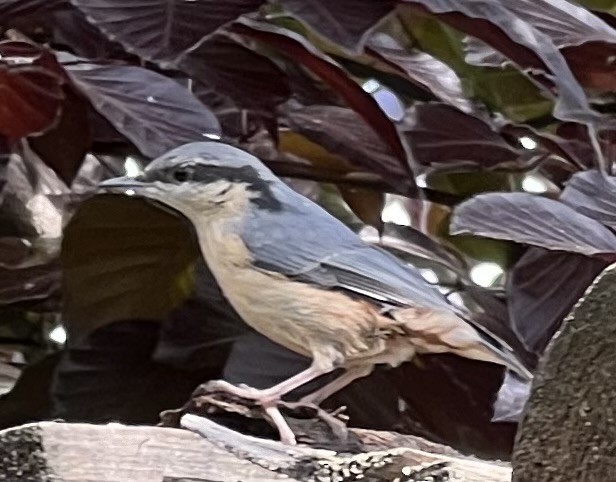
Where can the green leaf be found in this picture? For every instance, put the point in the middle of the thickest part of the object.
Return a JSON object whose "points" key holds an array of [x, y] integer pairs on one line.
{"points": [[124, 258], [608, 6], [505, 90]]}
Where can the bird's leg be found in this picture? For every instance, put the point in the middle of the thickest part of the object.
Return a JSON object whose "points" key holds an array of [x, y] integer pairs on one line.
{"points": [[314, 399], [323, 393], [271, 395]]}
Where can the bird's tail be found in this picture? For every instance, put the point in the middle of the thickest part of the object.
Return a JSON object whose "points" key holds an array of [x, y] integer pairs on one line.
{"points": [[433, 331]]}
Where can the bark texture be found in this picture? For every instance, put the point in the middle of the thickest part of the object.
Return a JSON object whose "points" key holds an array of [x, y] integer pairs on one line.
{"points": [[569, 427]]}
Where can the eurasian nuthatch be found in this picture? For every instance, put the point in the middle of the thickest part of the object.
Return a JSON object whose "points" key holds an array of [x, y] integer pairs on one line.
{"points": [[302, 278]]}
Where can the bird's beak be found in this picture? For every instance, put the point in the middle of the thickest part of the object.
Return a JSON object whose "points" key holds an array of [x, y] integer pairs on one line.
{"points": [[124, 182]]}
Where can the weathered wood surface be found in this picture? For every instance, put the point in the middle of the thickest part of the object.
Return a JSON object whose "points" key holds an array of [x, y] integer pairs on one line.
{"points": [[62, 452]]}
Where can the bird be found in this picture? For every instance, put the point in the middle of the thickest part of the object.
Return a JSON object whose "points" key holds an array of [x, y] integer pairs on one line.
{"points": [[303, 279]]}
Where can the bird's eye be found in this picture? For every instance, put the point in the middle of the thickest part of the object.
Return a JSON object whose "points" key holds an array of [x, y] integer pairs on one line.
{"points": [[182, 174]]}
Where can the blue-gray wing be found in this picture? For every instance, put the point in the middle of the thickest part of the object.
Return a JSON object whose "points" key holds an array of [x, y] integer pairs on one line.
{"points": [[304, 241]]}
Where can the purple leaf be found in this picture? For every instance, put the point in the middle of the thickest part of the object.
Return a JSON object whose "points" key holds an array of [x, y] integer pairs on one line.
{"points": [[300, 50], [565, 23], [441, 135], [405, 240], [342, 131], [592, 194], [422, 69], [145, 107], [250, 80], [160, 30], [529, 219], [29, 284], [542, 289], [345, 22], [71, 28]]}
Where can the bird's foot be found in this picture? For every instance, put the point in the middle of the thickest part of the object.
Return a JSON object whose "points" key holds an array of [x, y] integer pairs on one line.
{"points": [[285, 432], [336, 420], [268, 402]]}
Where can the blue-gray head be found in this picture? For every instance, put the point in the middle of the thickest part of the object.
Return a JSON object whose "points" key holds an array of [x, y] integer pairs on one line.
{"points": [[203, 176]]}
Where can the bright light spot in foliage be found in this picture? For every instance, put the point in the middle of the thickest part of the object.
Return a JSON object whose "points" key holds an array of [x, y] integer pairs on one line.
{"points": [[389, 103], [213, 137], [45, 217], [429, 275], [58, 335], [132, 168], [456, 299], [394, 212], [534, 184], [528, 142], [130, 192], [371, 85], [151, 99], [421, 180], [485, 274]]}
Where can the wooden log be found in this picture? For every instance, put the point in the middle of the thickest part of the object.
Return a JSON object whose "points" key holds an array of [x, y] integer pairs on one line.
{"points": [[62, 452]]}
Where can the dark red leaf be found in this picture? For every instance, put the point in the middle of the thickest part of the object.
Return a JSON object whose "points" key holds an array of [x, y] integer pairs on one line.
{"points": [[18, 13], [593, 65], [542, 289], [345, 22], [64, 147], [578, 155], [309, 91], [575, 141], [422, 69], [529, 219], [160, 30], [18, 53], [30, 100], [145, 106], [250, 80], [342, 131], [441, 135], [5, 156], [298, 49], [591, 62]]}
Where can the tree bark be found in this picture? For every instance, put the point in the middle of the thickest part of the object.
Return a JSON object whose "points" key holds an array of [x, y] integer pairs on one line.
{"points": [[568, 432]]}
